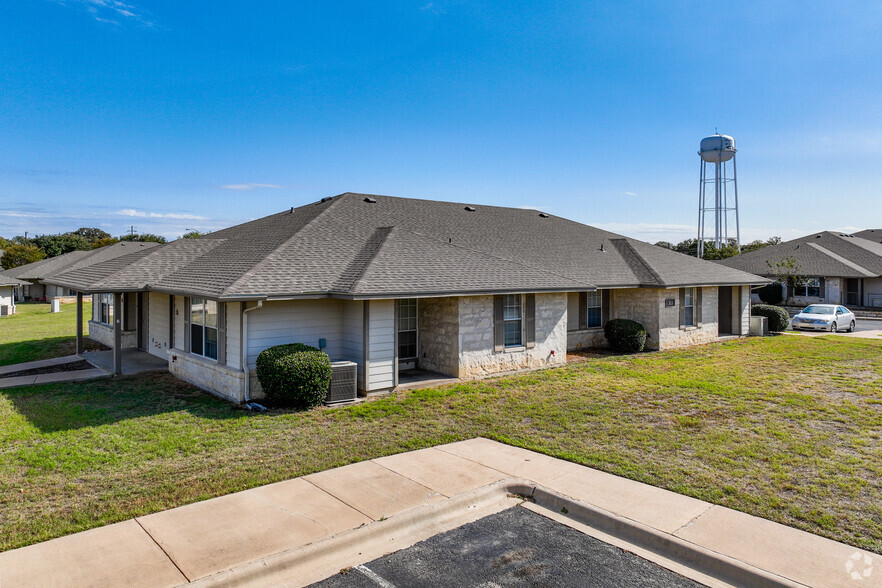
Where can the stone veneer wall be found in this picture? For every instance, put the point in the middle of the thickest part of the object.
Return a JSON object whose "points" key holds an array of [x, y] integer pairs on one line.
{"points": [[220, 380], [671, 335], [477, 357], [586, 338], [104, 335], [642, 305], [438, 322]]}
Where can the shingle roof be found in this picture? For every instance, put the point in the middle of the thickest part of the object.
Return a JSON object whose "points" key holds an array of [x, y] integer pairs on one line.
{"points": [[874, 235], [819, 254], [46, 268], [365, 245], [7, 280]]}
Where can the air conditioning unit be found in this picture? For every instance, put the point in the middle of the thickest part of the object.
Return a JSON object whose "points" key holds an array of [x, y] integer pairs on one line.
{"points": [[344, 382]]}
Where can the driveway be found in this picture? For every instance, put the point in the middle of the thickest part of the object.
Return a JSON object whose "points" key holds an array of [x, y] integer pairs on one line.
{"points": [[864, 328]]}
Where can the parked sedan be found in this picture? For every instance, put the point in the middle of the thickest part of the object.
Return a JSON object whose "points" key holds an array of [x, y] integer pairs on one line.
{"points": [[824, 317]]}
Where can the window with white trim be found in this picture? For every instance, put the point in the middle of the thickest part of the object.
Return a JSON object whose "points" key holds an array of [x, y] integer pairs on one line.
{"points": [[203, 327], [513, 318], [104, 314], [595, 309], [689, 307]]}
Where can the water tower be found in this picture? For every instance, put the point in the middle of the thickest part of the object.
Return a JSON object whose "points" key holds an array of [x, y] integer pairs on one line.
{"points": [[719, 151]]}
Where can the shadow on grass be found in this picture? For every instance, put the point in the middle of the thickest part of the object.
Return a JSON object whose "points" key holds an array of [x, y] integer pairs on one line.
{"points": [[76, 405], [35, 349]]}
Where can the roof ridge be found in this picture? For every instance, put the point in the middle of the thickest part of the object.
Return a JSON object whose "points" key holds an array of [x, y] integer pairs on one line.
{"points": [[484, 253], [350, 276], [626, 242], [271, 255], [841, 259]]}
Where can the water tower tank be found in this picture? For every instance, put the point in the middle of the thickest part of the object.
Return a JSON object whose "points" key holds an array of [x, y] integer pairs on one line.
{"points": [[717, 148]]}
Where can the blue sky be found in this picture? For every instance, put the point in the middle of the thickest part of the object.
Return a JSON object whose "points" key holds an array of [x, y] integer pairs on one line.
{"points": [[177, 115]]}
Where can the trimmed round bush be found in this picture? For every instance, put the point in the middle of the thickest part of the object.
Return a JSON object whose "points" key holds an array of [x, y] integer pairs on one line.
{"points": [[779, 320], [771, 293], [625, 335], [294, 375]]}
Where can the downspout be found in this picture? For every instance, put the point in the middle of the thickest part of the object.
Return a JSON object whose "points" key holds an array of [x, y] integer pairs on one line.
{"points": [[250, 405]]}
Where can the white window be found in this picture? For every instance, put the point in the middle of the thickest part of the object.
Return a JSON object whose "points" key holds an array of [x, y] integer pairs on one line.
{"points": [[512, 315], [407, 328], [595, 309], [203, 327], [105, 308], [689, 307]]}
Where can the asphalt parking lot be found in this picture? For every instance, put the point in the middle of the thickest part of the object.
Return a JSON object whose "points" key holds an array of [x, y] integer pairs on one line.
{"points": [[515, 547]]}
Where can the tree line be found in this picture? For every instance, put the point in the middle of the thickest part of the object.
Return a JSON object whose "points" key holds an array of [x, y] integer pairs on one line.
{"points": [[20, 250], [729, 249]]}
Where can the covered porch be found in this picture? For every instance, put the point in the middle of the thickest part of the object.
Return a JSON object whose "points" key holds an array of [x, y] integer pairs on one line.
{"points": [[132, 361]]}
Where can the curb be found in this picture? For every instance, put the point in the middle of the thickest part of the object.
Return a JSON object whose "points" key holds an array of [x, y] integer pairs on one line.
{"points": [[319, 560]]}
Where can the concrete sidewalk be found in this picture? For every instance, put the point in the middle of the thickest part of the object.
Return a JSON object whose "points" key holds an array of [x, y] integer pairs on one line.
{"points": [[7, 382], [303, 530]]}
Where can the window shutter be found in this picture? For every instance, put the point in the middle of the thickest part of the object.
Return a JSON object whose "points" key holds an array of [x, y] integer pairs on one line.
{"points": [[822, 287], [530, 320], [187, 324], [222, 333], [682, 308], [498, 325], [583, 310], [697, 307], [604, 310]]}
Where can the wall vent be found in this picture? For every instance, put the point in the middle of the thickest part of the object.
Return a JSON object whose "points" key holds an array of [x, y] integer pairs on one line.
{"points": [[343, 388]]}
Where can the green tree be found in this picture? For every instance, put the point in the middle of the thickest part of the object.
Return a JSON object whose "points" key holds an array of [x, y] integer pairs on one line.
{"points": [[787, 270], [104, 242], [17, 255], [193, 234], [53, 245], [144, 237], [91, 234]]}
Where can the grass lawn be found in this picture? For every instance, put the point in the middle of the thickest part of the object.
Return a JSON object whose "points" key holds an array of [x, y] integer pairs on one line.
{"points": [[786, 428], [34, 333]]}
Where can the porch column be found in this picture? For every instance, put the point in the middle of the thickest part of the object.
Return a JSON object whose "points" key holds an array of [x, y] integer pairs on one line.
{"points": [[117, 333], [80, 348]]}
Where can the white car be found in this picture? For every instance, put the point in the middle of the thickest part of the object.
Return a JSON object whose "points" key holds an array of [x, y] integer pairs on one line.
{"points": [[824, 317]]}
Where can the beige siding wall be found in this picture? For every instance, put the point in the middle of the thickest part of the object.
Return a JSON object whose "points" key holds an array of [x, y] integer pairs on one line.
{"points": [[296, 321], [158, 342], [234, 335], [180, 333], [381, 345], [6, 299], [353, 336]]}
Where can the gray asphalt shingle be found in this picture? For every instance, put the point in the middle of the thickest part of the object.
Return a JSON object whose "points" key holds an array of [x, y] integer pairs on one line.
{"points": [[361, 245]]}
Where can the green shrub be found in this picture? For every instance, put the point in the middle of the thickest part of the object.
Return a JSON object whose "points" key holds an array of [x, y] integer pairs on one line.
{"points": [[779, 320], [771, 293], [625, 335], [295, 375]]}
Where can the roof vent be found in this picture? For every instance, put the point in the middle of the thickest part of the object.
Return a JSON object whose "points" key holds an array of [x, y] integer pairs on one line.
{"points": [[543, 215], [817, 236], [370, 200], [326, 198], [292, 210], [470, 208]]}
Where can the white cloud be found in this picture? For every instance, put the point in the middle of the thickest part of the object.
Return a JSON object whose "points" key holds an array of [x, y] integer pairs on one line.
{"points": [[170, 215], [105, 10], [249, 186], [631, 194]]}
